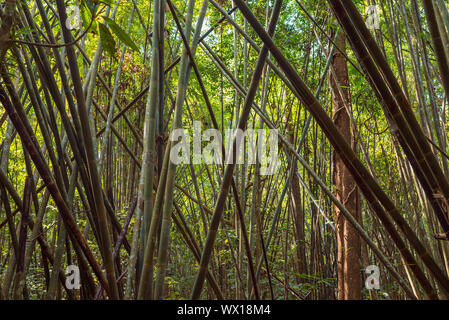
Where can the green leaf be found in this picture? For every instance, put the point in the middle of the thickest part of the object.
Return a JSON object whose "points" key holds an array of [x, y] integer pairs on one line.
{"points": [[86, 18], [107, 41], [107, 2], [91, 6], [121, 34]]}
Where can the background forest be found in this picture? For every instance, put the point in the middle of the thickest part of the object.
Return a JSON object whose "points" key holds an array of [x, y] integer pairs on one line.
{"points": [[90, 91]]}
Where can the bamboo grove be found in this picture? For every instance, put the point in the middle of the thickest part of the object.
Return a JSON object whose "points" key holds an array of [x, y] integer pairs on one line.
{"points": [[93, 206]]}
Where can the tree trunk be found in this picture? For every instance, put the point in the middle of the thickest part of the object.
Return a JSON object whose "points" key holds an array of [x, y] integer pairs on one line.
{"points": [[348, 241]]}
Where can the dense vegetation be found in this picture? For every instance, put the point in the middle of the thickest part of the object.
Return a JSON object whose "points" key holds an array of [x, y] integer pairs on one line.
{"points": [[92, 91]]}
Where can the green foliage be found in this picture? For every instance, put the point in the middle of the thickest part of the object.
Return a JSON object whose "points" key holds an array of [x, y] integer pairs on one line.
{"points": [[122, 35], [107, 41]]}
